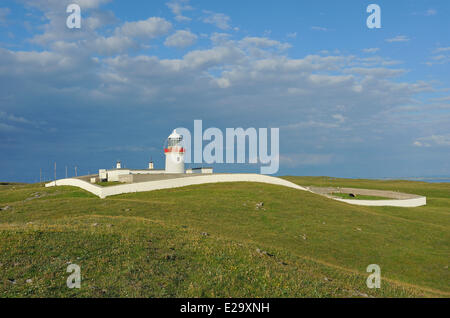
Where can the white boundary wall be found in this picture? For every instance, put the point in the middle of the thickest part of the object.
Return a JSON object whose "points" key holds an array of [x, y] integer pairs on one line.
{"points": [[95, 189], [187, 181], [404, 203], [104, 192]]}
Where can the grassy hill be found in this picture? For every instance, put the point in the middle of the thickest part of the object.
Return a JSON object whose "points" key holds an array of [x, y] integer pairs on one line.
{"points": [[213, 241]]}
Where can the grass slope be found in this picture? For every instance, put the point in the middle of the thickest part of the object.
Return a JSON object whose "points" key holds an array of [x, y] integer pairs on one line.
{"points": [[211, 241]]}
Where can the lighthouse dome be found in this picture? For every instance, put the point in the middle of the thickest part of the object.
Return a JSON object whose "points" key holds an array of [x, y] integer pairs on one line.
{"points": [[175, 135]]}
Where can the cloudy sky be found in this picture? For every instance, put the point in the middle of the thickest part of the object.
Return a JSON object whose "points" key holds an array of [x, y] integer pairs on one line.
{"points": [[349, 101]]}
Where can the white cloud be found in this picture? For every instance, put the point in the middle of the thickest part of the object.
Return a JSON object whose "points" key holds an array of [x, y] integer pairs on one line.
{"points": [[264, 43], [377, 60], [439, 57], [13, 123], [7, 128], [398, 38], [99, 19], [147, 29], [433, 141], [112, 45], [291, 35], [14, 118], [220, 20], [127, 36], [219, 39], [213, 57], [431, 12], [375, 71], [318, 28], [177, 7], [442, 56], [441, 99], [181, 39], [442, 49], [340, 118], [371, 50]]}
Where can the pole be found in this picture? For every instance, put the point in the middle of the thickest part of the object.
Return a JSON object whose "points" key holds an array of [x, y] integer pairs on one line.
{"points": [[66, 172], [40, 175], [55, 172], [76, 175]]}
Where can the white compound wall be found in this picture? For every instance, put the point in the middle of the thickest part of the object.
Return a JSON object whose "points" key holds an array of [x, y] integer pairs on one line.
{"points": [[92, 188], [104, 192], [404, 203]]}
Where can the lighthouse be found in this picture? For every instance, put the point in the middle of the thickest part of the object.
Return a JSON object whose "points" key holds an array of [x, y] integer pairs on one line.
{"points": [[174, 153]]}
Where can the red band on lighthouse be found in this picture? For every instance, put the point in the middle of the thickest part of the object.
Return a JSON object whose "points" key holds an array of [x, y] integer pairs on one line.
{"points": [[175, 149]]}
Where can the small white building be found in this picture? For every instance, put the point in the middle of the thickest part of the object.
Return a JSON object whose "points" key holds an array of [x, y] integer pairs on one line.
{"points": [[204, 170]]}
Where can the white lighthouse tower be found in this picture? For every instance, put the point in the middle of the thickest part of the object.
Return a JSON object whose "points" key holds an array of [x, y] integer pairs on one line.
{"points": [[174, 153]]}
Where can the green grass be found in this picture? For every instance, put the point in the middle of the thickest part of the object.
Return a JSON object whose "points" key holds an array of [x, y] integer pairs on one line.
{"points": [[207, 241], [357, 197]]}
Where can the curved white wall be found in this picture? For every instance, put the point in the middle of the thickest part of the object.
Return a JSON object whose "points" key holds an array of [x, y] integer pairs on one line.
{"points": [[95, 189], [104, 192], [187, 181], [405, 203]]}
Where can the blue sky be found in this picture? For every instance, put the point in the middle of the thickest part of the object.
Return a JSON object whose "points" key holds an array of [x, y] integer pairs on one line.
{"points": [[349, 101]]}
